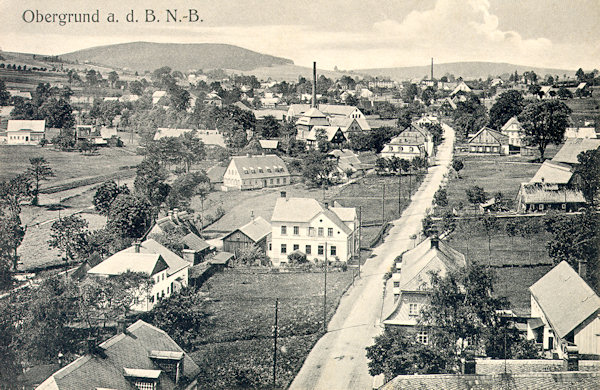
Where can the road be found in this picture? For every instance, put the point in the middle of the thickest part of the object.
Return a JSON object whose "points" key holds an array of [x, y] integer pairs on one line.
{"points": [[338, 359]]}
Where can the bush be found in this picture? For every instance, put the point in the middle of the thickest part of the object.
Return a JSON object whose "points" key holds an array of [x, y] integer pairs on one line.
{"points": [[297, 258]]}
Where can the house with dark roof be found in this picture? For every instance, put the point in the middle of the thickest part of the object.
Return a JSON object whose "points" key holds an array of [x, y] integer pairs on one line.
{"points": [[411, 281], [254, 233], [489, 141], [414, 141], [347, 162], [317, 230], [255, 172], [143, 357], [565, 312], [540, 197], [167, 269]]}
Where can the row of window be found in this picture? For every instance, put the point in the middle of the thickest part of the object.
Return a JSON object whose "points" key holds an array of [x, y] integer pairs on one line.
{"points": [[308, 249], [403, 149], [310, 231], [277, 168]]}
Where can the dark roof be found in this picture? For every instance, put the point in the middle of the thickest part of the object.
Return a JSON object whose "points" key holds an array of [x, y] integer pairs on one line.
{"points": [[131, 350], [251, 167], [221, 258], [216, 173], [194, 242], [527, 381]]}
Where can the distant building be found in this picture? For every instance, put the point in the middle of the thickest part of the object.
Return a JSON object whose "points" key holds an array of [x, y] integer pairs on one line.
{"points": [[213, 99], [157, 95], [572, 147], [347, 161], [565, 312], [489, 141], [414, 141], [541, 197], [461, 87], [515, 133], [22, 94], [208, 137], [25, 132], [317, 230], [142, 357], [254, 172], [255, 232]]}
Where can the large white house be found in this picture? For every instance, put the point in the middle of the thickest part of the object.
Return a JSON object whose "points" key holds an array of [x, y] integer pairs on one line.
{"points": [[25, 132], [514, 131], [565, 312], [254, 172], [168, 270], [414, 141], [315, 229]]}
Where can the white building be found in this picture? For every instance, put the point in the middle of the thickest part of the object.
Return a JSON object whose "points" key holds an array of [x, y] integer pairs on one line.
{"points": [[25, 132], [254, 172], [168, 270], [315, 229], [514, 131], [414, 141]]}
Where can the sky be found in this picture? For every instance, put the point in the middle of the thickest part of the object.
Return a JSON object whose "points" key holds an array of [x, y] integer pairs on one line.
{"points": [[349, 34]]}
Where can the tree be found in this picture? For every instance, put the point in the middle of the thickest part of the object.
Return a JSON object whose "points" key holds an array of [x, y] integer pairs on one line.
{"points": [[440, 197], [69, 236], [544, 123], [136, 88], [193, 150], [13, 192], [476, 195], [489, 224], [106, 194], [317, 168], [588, 175], [457, 165], [129, 216], [268, 127], [182, 316], [396, 352], [113, 77], [150, 183], [4, 94], [11, 237], [580, 74], [470, 115], [91, 77], [251, 256], [429, 227], [508, 105], [409, 92], [184, 188], [38, 171], [564, 93], [436, 131]]}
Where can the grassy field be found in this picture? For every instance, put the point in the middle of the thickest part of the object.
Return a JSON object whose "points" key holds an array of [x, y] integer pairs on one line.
{"points": [[242, 314]]}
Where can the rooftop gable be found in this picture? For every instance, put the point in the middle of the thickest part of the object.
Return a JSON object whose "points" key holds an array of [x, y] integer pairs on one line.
{"points": [[123, 262], [151, 246], [32, 125]]}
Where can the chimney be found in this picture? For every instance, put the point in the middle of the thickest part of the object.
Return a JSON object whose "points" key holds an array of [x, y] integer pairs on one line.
{"points": [[252, 215], [175, 214], [283, 194], [91, 345], [121, 325], [136, 246], [314, 86], [435, 243], [189, 255], [326, 205], [170, 213], [570, 357], [431, 68], [582, 269]]}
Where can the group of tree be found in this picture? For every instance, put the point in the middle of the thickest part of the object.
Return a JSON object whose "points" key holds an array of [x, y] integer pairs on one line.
{"points": [[187, 150], [470, 115], [48, 103], [399, 165]]}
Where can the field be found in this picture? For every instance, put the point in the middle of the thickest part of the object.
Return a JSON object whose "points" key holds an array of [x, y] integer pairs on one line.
{"points": [[236, 350]]}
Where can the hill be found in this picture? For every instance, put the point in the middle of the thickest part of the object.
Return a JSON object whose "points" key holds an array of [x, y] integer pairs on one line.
{"points": [[467, 70], [141, 56]]}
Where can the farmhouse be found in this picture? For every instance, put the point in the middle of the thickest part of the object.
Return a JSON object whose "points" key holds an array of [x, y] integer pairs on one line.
{"points": [[307, 226], [253, 172], [539, 197], [412, 283], [169, 271], [489, 141], [142, 357], [514, 131], [414, 141], [255, 232], [347, 162], [25, 132], [565, 312]]}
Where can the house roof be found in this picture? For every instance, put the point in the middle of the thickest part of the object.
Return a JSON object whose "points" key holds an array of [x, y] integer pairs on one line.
{"points": [[337, 109], [549, 193], [498, 136], [163, 132], [122, 262], [269, 143], [552, 172], [525, 381], [6, 110], [33, 125], [565, 298], [306, 209], [242, 106], [512, 121], [313, 117], [330, 131], [174, 262], [221, 258], [347, 159], [344, 123], [216, 173], [194, 242], [256, 230], [572, 147], [249, 167], [126, 354]]}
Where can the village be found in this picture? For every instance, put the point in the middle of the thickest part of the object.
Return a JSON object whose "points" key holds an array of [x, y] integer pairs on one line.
{"points": [[214, 229]]}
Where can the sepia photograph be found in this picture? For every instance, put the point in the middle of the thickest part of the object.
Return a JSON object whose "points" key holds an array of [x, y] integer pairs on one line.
{"points": [[302, 195]]}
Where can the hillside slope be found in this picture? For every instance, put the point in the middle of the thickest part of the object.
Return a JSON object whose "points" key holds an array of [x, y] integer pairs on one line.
{"points": [[142, 56]]}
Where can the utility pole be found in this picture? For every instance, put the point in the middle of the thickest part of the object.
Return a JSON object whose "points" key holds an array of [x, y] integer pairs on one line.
{"points": [[275, 344], [383, 205], [359, 235], [399, 181], [325, 293]]}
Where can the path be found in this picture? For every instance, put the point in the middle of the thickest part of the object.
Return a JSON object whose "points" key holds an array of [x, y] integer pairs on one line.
{"points": [[338, 359]]}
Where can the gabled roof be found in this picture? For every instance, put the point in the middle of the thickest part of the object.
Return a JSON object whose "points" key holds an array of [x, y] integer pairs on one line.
{"points": [[306, 209], [122, 262], [498, 136], [126, 354], [313, 117], [572, 147], [6, 110], [344, 123], [256, 230], [33, 125], [269, 143], [249, 167], [532, 193], [174, 262], [221, 258], [330, 131], [337, 109], [216, 173], [552, 172], [565, 298], [512, 121], [194, 242]]}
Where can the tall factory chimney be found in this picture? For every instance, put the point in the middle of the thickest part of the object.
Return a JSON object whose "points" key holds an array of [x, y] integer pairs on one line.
{"points": [[314, 85], [432, 68]]}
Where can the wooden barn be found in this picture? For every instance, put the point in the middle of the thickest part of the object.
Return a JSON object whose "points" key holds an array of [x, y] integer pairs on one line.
{"points": [[489, 141], [256, 232]]}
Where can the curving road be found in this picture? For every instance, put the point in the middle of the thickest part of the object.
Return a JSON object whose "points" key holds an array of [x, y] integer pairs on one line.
{"points": [[338, 359]]}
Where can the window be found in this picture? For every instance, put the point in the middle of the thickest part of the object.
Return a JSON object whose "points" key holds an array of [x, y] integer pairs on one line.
{"points": [[270, 246], [277, 180], [396, 284], [283, 179], [143, 385], [320, 250], [283, 230], [296, 230], [564, 206], [329, 232], [168, 290], [541, 206], [296, 247], [308, 249], [413, 309], [270, 181], [283, 248], [333, 250], [423, 337], [311, 231], [320, 232]]}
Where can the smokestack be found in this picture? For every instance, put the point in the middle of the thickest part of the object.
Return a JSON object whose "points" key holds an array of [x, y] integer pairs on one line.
{"points": [[582, 269], [136, 246], [431, 68], [314, 89]]}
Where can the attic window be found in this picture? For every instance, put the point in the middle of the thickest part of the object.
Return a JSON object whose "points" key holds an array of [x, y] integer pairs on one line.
{"points": [[269, 170], [253, 170], [260, 170]]}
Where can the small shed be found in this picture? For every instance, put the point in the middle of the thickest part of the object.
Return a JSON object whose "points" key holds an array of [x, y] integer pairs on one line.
{"points": [[255, 232]]}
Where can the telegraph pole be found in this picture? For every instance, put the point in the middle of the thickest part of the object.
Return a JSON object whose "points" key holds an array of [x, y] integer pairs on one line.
{"points": [[325, 293], [399, 181], [275, 344], [359, 235], [383, 205]]}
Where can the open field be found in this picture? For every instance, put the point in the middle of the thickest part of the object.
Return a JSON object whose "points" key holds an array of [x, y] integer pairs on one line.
{"points": [[242, 314]]}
